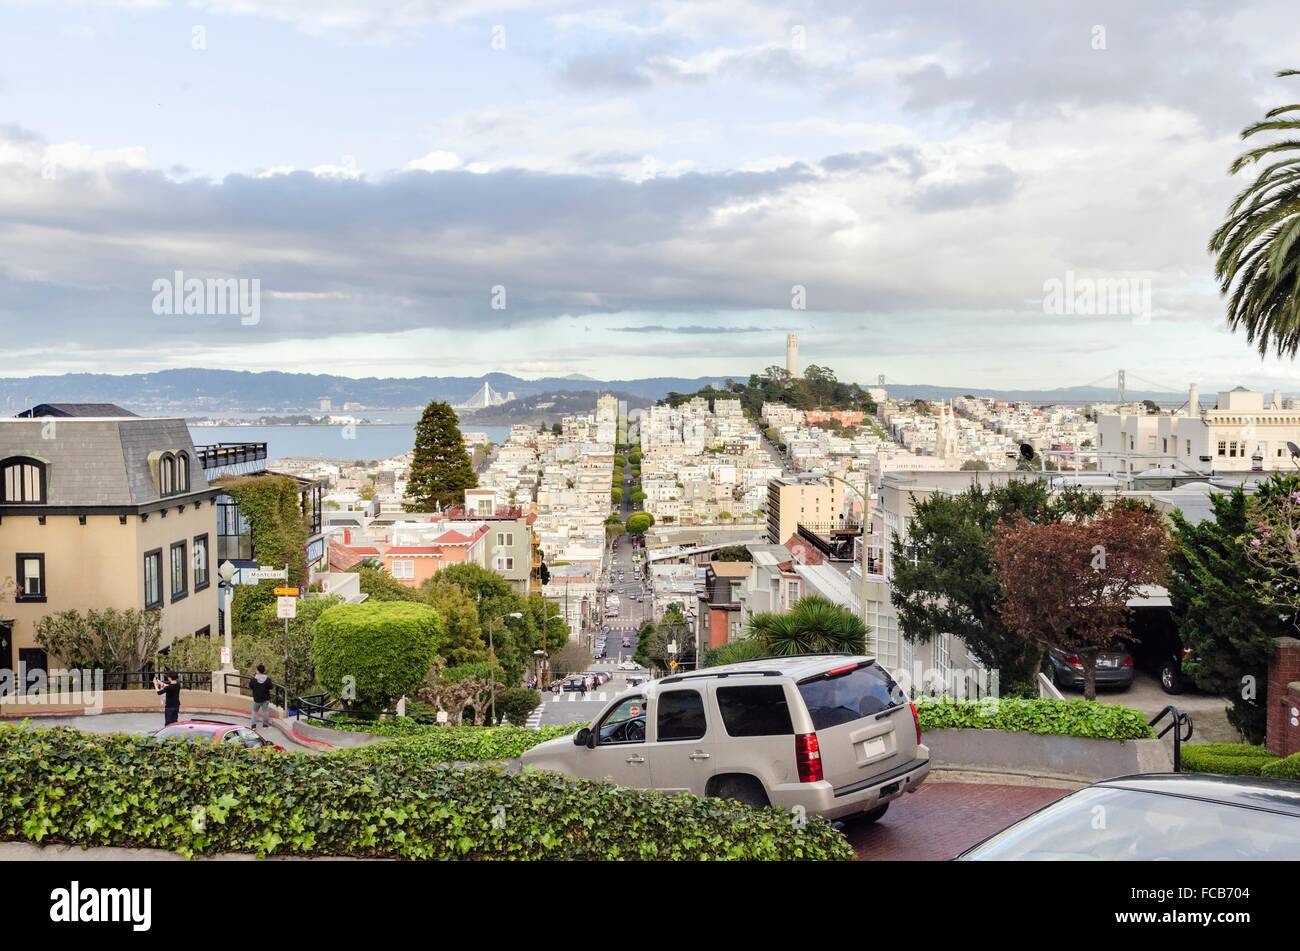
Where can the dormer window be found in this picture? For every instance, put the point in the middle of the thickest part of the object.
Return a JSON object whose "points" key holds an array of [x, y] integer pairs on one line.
{"points": [[167, 474], [182, 472], [22, 481]]}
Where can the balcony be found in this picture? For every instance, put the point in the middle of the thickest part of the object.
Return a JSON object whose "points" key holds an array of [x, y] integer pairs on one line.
{"points": [[231, 458], [834, 540]]}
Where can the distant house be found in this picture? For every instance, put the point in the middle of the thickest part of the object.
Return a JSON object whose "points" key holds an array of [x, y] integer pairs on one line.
{"points": [[101, 508]]}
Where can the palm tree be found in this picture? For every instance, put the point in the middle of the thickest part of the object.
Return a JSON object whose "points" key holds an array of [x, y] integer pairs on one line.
{"points": [[1256, 245], [814, 625]]}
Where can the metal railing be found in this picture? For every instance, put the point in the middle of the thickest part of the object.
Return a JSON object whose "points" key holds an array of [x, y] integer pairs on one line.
{"points": [[243, 685], [1176, 723], [143, 679]]}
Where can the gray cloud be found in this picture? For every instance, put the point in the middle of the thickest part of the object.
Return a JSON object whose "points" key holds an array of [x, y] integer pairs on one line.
{"points": [[691, 329], [991, 185]]}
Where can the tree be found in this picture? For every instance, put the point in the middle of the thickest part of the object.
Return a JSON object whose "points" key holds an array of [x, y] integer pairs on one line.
{"points": [[462, 639], [1067, 584], [557, 429], [732, 553], [814, 625], [264, 642], [1223, 621], [616, 495], [440, 470], [672, 628], [945, 581], [975, 465], [110, 640], [369, 655], [511, 639], [378, 585], [638, 523], [1256, 244]]}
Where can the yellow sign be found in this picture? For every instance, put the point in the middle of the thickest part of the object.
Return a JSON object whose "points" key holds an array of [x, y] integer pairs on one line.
{"points": [[286, 592], [672, 665]]}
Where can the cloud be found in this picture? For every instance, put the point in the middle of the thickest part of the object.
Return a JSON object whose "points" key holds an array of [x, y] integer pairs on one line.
{"points": [[691, 329], [990, 185]]}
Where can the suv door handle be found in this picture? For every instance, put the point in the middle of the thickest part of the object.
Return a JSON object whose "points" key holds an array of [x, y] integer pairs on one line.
{"points": [[634, 758], [699, 755]]}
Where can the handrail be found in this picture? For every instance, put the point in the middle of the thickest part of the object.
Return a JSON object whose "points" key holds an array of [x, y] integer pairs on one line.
{"points": [[1176, 723]]}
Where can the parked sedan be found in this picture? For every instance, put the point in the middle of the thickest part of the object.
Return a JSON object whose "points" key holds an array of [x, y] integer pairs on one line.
{"points": [[1158, 816], [1114, 669], [214, 731]]}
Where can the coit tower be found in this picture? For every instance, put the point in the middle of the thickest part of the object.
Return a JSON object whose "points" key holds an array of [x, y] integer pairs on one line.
{"points": [[792, 354]]}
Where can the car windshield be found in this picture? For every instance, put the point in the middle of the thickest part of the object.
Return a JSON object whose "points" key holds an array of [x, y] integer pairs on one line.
{"points": [[1116, 825]]}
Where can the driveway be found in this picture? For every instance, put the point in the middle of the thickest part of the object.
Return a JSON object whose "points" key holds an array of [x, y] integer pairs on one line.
{"points": [[942, 819], [1209, 714]]}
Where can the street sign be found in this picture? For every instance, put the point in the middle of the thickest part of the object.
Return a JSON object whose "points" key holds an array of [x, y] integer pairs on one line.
{"points": [[286, 607], [286, 592], [442, 716], [266, 574], [225, 657], [672, 665]]}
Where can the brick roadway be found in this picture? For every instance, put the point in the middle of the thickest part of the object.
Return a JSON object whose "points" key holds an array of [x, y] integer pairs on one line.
{"points": [[941, 819]]}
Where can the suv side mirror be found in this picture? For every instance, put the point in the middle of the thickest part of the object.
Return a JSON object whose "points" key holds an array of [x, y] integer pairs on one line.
{"points": [[582, 737]]}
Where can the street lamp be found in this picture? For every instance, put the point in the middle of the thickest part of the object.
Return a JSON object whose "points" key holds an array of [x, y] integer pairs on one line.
{"points": [[816, 475], [492, 684], [227, 571]]}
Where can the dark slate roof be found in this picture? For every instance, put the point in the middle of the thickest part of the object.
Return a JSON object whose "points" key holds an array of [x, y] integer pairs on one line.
{"points": [[100, 461], [96, 410]]}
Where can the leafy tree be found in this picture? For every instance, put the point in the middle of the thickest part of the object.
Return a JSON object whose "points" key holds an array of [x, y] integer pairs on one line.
{"points": [[110, 640], [1067, 584], [1222, 618], [372, 654], [975, 465], [638, 523], [732, 553], [814, 625], [1256, 244], [557, 429], [945, 581], [462, 637], [264, 642], [511, 639], [441, 469], [616, 495], [672, 627], [378, 585]]}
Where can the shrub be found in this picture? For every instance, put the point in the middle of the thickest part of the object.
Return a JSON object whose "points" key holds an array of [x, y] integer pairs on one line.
{"points": [[1052, 717], [457, 744], [733, 652], [1228, 759], [516, 703], [85, 789], [1286, 768], [386, 648]]}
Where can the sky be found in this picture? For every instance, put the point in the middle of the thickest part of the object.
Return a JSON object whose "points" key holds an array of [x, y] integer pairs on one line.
{"points": [[632, 190]]}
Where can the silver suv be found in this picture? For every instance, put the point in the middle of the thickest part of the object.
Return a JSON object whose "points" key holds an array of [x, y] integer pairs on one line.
{"points": [[829, 732]]}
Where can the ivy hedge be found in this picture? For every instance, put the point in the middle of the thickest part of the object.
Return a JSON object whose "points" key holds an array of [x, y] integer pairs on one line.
{"points": [[1286, 768], [62, 785], [1051, 717], [1238, 759]]}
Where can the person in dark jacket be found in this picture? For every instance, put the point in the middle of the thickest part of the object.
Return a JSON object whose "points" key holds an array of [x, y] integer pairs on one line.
{"points": [[169, 688], [261, 689]]}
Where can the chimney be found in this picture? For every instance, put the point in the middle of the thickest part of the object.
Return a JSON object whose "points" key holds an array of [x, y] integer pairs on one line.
{"points": [[1193, 400]]}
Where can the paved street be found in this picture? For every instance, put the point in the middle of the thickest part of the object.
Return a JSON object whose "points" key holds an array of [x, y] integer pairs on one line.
{"points": [[940, 820], [574, 707]]}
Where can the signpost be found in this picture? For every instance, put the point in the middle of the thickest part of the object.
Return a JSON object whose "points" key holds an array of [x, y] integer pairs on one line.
{"points": [[262, 573]]}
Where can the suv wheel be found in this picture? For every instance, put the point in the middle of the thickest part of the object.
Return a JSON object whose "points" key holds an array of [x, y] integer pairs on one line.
{"points": [[744, 789], [1171, 678]]}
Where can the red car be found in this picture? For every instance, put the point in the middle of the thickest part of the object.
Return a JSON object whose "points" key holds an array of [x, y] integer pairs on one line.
{"points": [[214, 731]]}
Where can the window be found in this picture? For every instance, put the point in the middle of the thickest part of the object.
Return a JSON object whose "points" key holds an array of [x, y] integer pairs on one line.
{"points": [[835, 698], [791, 592], [204, 631], [1223, 448], [182, 472], [201, 566], [1188, 450], [755, 711], [180, 580], [624, 724], [23, 482], [404, 568], [681, 715], [153, 579], [505, 539], [31, 577], [167, 474], [505, 564]]}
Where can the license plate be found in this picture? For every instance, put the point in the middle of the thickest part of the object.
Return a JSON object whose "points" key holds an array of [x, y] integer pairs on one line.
{"points": [[872, 748], [1107, 663]]}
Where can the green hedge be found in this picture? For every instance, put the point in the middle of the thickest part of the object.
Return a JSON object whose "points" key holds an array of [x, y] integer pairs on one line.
{"points": [[1286, 768], [61, 785], [1228, 759], [448, 744], [386, 647], [1052, 717]]}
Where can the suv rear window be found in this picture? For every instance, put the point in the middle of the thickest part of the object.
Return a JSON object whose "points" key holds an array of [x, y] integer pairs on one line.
{"points": [[833, 699], [755, 711]]}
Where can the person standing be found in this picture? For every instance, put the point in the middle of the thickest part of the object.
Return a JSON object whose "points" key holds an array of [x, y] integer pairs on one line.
{"points": [[169, 688], [260, 685]]}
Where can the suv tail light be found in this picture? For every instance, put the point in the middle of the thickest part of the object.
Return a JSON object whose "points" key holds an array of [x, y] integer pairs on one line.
{"points": [[916, 720], [808, 757], [1128, 660]]}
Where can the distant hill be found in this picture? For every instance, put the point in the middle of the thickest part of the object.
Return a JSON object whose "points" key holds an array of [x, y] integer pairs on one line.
{"points": [[207, 392], [547, 407]]}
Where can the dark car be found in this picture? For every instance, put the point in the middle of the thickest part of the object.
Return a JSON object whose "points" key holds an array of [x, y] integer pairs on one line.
{"points": [[573, 683], [1158, 817], [1114, 669], [1158, 649]]}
